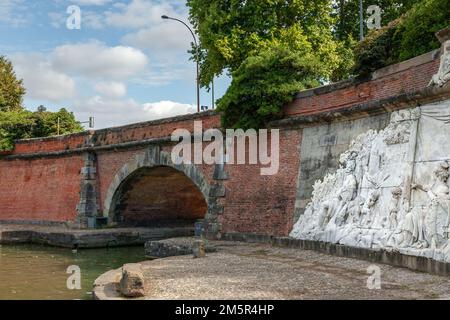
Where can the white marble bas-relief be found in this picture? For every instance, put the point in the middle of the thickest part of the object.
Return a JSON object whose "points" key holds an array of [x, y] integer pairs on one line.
{"points": [[391, 191], [443, 75]]}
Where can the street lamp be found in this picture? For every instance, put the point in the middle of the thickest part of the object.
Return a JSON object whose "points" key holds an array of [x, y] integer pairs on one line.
{"points": [[196, 59], [361, 20]]}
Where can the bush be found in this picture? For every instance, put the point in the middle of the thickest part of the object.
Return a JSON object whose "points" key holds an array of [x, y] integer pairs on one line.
{"points": [[377, 50], [419, 28], [409, 36], [264, 83]]}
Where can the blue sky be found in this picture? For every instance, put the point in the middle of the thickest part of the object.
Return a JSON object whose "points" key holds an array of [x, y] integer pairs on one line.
{"points": [[124, 65]]}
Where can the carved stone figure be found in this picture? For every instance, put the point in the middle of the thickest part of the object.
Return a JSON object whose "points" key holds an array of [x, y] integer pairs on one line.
{"points": [[347, 192], [370, 201], [399, 133], [443, 75], [436, 228], [367, 209], [394, 207], [411, 231]]}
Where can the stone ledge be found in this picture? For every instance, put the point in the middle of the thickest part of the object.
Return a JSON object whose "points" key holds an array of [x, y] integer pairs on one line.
{"points": [[402, 101], [396, 259], [125, 145], [173, 248], [380, 73], [82, 239]]}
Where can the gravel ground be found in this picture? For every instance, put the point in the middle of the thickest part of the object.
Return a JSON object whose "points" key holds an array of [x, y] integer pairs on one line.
{"points": [[257, 271]]}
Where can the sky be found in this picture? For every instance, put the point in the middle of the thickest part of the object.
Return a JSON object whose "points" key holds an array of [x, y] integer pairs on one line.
{"points": [[125, 64]]}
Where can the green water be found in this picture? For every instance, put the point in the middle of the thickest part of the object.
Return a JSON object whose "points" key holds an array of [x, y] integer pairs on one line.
{"points": [[39, 272]]}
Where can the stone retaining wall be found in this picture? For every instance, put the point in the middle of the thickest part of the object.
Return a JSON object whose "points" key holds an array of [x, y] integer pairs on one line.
{"points": [[396, 259]]}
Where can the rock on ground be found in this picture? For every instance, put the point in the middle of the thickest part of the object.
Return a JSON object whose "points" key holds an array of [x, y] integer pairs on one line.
{"points": [[132, 283]]}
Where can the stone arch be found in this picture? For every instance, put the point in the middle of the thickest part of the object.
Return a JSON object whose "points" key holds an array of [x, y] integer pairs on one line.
{"points": [[153, 157]]}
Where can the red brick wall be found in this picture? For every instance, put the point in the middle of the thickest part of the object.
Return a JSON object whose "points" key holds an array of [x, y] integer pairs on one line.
{"points": [[48, 189], [44, 189], [109, 163], [129, 133], [264, 204], [51, 144], [149, 131], [390, 85]]}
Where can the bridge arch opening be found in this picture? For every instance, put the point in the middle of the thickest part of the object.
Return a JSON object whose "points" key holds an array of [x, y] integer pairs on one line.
{"points": [[158, 196]]}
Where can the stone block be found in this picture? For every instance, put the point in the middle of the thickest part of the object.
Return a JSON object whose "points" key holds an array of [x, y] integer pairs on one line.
{"points": [[132, 282]]}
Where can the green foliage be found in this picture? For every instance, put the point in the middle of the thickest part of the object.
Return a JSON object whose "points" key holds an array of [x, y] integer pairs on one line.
{"points": [[422, 22], [230, 31], [46, 123], [18, 123], [377, 50], [265, 82], [11, 88], [411, 35], [24, 124], [272, 49], [346, 13], [14, 125]]}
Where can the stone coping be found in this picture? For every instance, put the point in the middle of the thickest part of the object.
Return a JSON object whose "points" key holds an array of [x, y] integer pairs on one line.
{"points": [[380, 73], [85, 239], [125, 145], [392, 258], [402, 101], [190, 116]]}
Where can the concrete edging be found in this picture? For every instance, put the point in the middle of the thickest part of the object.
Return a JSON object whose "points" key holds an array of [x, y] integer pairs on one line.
{"points": [[393, 258], [86, 239]]}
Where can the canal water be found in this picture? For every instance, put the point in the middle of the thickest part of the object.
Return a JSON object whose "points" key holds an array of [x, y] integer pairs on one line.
{"points": [[39, 272]]}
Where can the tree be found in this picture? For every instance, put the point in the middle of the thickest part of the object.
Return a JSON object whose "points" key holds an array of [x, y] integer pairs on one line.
{"points": [[24, 124], [232, 30], [14, 125], [417, 32], [409, 36], [346, 13], [11, 88], [52, 123], [266, 81], [272, 49]]}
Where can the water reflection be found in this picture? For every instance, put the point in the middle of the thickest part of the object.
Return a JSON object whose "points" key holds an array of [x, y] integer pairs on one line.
{"points": [[39, 272]]}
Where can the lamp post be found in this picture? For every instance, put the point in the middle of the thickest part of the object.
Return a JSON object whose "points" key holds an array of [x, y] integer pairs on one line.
{"points": [[196, 58], [361, 20]]}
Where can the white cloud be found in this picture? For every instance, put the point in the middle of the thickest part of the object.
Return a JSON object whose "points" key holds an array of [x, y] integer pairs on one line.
{"points": [[114, 112], [56, 19], [165, 109], [96, 60], [91, 2], [89, 19], [92, 20], [14, 13], [171, 37], [41, 80], [149, 30], [111, 89], [138, 14]]}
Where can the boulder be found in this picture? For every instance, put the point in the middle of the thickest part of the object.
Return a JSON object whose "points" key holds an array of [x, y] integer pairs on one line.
{"points": [[132, 282]]}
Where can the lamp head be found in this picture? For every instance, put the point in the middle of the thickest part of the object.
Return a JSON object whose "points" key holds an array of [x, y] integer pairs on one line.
{"points": [[164, 17]]}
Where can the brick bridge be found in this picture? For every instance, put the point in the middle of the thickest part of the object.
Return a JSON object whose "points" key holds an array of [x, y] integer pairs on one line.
{"points": [[126, 174]]}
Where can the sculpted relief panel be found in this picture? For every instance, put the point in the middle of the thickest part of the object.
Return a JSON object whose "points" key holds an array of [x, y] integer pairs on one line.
{"points": [[443, 75], [391, 190]]}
